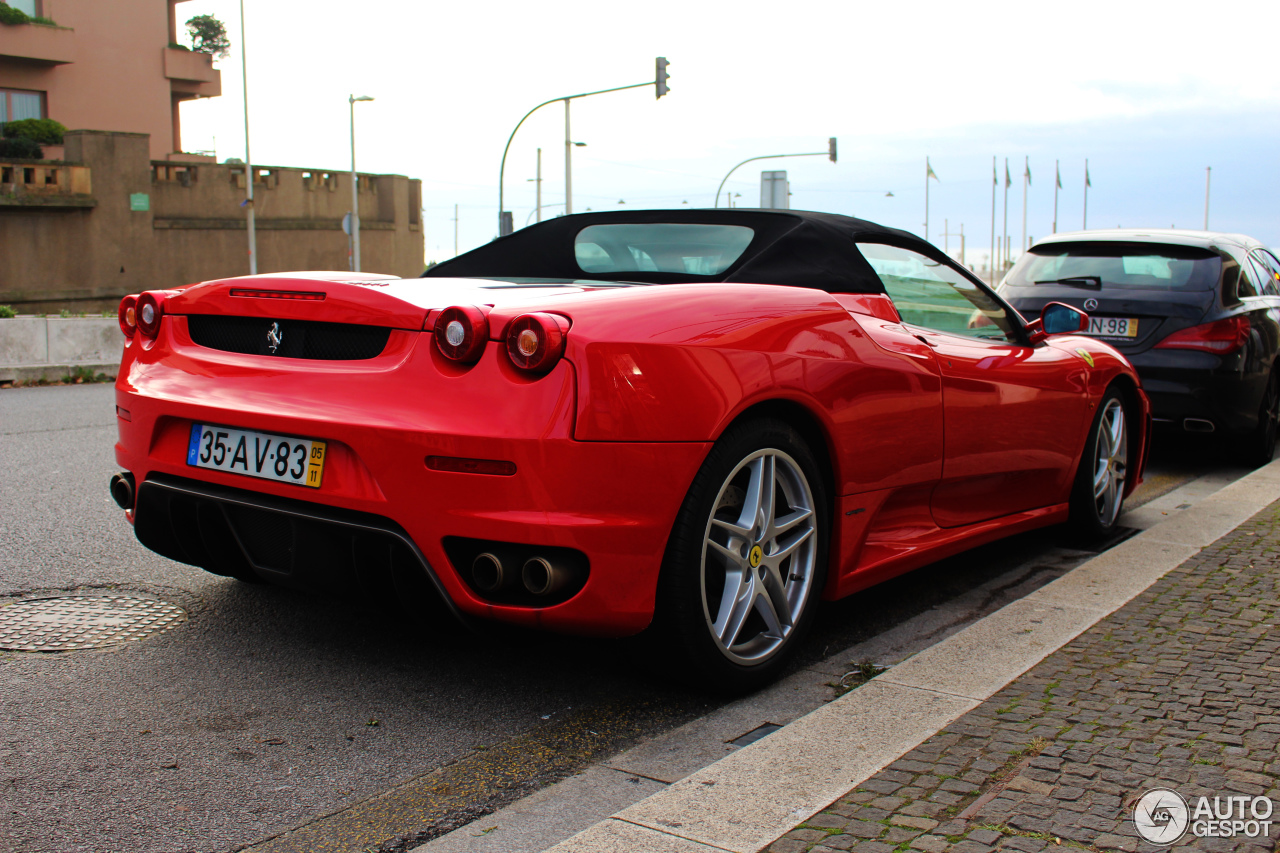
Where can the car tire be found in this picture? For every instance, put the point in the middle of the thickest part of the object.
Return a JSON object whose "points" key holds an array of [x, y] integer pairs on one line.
{"points": [[1259, 446], [1097, 496], [736, 594]]}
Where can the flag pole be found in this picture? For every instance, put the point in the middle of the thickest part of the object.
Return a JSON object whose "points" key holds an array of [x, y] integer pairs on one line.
{"points": [[995, 182], [1026, 182], [1057, 183], [1085, 222], [926, 198], [1207, 170], [1005, 232]]}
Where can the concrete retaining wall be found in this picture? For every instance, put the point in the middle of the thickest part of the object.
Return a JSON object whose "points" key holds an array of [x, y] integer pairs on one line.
{"points": [[51, 347]]}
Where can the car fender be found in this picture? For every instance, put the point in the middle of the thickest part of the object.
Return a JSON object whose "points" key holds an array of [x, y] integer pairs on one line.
{"points": [[1106, 365], [679, 363]]}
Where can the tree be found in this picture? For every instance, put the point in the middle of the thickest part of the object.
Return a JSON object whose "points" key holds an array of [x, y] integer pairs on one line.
{"points": [[208, 35]]}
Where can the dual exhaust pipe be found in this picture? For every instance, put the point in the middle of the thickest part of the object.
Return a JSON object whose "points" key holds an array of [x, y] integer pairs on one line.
{"points": [[492, 571], [122, 489]]}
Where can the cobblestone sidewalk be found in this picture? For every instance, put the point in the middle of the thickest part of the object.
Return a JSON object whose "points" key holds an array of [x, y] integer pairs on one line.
{"points": [[1180, 688]]}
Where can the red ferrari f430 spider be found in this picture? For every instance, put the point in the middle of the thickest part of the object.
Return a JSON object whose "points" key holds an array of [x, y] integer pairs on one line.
{"points": [[691, 424]]}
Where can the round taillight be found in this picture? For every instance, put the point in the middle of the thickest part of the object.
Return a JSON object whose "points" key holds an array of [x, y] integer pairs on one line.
{"points": [[535, 341], [461, 333], [150, 308], [129, 315]]}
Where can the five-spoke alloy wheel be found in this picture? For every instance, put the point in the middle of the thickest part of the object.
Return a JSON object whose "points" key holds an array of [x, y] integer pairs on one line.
{"points": [[1098, 494], [759, 555], [746, 562]]}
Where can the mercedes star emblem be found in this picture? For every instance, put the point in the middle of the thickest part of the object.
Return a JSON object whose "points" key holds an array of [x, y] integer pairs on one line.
{"points": [[274, 337], [1091, 304]]}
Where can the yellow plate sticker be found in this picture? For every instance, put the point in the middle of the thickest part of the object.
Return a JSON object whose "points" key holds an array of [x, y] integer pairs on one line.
{"points": [[315, 469]]}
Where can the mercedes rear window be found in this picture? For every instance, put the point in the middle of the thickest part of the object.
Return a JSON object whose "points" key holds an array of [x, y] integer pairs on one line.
{"points": [[687, 248], [1145, 266]]}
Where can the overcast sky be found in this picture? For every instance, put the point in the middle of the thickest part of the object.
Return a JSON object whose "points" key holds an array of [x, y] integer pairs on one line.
{"points": [[1150, 93]]}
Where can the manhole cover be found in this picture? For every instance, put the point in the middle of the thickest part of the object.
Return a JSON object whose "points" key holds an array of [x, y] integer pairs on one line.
{"points": [[83, 622]]}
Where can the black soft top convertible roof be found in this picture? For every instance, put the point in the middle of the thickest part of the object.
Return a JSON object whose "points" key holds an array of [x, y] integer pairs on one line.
{"points": [[790, 247]]}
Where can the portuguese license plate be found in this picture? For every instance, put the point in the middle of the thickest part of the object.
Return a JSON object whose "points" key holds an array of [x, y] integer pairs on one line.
{"points": [[1113, 327], [283, 458]]}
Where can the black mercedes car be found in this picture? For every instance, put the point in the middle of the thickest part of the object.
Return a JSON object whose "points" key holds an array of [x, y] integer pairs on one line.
{"points": [[1196, 312]]}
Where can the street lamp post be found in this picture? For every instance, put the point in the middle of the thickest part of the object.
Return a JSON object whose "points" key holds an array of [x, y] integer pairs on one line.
{"points": [[248, 160], [355, 187], [830, 153], [660, 84], [538, 183]]}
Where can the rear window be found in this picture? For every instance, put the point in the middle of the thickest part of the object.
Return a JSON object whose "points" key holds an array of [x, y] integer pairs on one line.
{"points": [[690, 249], [1146, 266]]}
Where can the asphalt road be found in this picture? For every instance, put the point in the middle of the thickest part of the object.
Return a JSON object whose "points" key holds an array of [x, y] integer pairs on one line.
{"points": [[269, 709]]}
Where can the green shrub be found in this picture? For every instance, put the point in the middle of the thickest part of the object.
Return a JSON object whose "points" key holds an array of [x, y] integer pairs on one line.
{"points": [[44, 131], [175, 46], [21, 148], [6, 311], [10, 15]]}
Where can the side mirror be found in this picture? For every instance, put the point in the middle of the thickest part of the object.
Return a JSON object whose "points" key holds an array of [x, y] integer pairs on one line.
{"points": [[1057, 318]]}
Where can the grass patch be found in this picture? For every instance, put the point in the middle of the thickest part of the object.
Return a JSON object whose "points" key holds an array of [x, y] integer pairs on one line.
{"points": [[856, 677], [1005, 829], [829, 830], [78, 376]]}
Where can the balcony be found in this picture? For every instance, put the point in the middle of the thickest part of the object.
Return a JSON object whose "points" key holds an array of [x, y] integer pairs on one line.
{"points": [[39, 44], [191, 74]]}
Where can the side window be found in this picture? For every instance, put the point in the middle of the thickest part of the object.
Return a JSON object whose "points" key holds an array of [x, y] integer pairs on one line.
{"points": [[1230, 280], [1246, 286], [1269, 271], [1259, 274], [933, 295]]}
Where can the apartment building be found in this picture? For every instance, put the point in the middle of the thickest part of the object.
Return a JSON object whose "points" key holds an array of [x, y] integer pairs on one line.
{"points": [[103, 65]]}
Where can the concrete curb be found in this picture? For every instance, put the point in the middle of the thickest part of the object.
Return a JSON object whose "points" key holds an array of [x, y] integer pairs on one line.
{"points": [[747, 800], [54, 372]]}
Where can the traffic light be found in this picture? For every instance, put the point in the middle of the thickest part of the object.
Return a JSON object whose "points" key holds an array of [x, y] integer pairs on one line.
{"points": [[831, 149], [660, 79]]}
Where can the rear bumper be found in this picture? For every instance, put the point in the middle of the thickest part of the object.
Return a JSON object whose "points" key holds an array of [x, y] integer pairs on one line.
{"points": [[1183, 384], [613, 502]]}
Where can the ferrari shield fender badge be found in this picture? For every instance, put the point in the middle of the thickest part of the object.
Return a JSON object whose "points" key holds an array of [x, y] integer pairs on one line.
{"points": [[1084, 353], [274, 337]]}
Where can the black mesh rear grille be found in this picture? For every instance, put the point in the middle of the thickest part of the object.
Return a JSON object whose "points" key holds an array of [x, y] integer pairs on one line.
{"points": [[252, 536], [297, 338], [267, 536]]}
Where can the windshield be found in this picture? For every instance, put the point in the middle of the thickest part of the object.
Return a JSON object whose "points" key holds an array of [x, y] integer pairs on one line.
{"points": [[691, 249], [1146, 266]]}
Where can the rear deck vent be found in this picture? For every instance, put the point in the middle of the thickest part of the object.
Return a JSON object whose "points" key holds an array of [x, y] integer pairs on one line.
{"points": [[293, 338]]}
